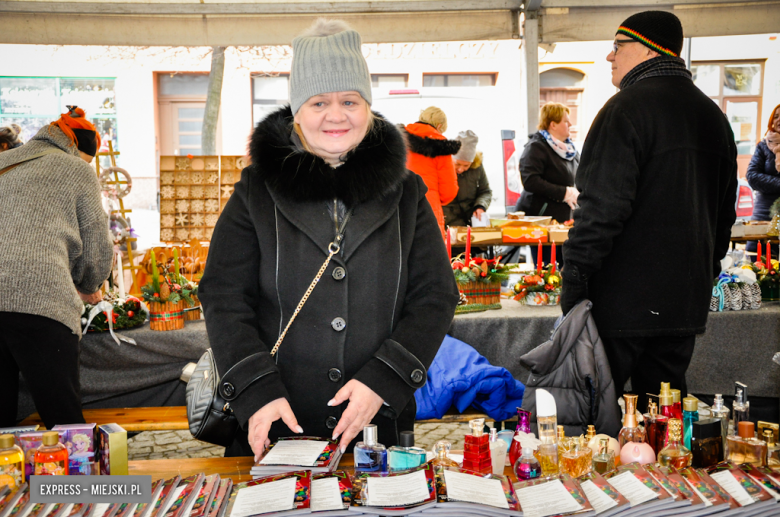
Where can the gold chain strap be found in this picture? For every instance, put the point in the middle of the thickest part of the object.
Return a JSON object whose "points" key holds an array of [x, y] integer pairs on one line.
{"points": [[333, 248]]}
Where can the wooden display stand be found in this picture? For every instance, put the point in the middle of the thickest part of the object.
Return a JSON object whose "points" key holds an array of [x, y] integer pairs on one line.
{"points": [[135, 287]]}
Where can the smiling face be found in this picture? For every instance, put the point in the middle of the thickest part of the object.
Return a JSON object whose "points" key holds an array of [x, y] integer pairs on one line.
{"points": [[629, 53], [333, 124]]}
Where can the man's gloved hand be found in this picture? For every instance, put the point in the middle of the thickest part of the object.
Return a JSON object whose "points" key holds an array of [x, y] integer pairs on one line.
{"points": [[575, 287], [572, 293]]}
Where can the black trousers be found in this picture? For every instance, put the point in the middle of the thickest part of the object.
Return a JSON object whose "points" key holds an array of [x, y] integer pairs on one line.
{"points": [[46, 353], [649, 361]]}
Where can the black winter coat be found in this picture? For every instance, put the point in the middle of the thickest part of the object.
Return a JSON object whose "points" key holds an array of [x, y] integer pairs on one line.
{"points": [[545, 176], [658, 182], [763, 178], [382, 307]]}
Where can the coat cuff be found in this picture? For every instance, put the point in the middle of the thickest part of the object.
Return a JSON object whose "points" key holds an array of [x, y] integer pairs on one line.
{"points": [[394, 374], [264, 390]]}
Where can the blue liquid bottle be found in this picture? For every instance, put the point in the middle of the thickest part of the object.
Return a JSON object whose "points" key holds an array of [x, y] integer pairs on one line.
{"points": [[406, 455], [370, 456]]}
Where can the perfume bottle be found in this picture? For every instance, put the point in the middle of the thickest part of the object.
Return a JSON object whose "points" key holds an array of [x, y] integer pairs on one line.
{"points": [[406, 455], [721, 412], [527, 466], [772, 449], [591, 433], [655, 428], [51, 458], [676, 404], [442, 450], [476, 450], [675, 454], [370, 456], [547, 422], [706, 443], [741, 405], [578, 460], [631, 432], [563, 442], [497, 452], [762, 426], [690, 415], [744, 448], [604, 461], [666, 401], [11, 462], [523, 426]]}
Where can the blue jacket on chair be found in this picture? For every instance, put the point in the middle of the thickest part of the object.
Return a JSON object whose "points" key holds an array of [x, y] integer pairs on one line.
{"points": [[460, 376]]}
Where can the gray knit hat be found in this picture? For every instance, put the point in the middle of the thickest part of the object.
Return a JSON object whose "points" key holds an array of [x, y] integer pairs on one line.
{"points": [[327, 58], [468, 145]]}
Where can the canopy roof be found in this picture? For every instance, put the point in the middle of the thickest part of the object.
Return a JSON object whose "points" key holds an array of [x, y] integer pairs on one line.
{"points": [[274, 22]]}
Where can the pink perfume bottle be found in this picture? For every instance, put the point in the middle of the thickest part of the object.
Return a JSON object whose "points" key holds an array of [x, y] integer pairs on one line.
{"points": [[523, 425], [476, 450]]}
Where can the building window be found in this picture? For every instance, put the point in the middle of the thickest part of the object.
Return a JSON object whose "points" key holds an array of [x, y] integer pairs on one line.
{"points": [[456, 80], [736, 87], [269, 92], [33, 102], [181, 100], [389, 81]]}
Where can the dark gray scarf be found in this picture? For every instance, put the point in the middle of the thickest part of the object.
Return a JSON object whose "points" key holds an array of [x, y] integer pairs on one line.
{"points": [[656, 67]]}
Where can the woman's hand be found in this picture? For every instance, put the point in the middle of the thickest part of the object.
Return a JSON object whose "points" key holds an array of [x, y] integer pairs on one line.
{"points": [[571, 197], [260, 423], [363, 405]]}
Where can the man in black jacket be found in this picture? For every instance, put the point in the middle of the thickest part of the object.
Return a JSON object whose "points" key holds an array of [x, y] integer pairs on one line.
{"points": [[658, 181]]}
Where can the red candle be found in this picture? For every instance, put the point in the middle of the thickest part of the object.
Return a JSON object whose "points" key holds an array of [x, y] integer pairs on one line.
{"points": [[539, 262], [468, 246], [768, 256], [449, 244], [552, 258], [759, 252]]}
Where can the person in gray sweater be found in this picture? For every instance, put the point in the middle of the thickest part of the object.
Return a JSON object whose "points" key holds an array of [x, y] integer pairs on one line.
{"points": [[55, 252]]}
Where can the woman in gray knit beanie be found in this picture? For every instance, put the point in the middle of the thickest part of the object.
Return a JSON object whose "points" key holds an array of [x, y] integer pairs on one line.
{"points": [[328, 178]]}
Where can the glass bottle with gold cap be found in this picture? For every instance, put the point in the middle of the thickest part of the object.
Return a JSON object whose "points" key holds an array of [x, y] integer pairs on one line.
{"points": [[675, 454], [631, 432], [772, 449], [591, 433], [677, 404], [442, 450], [577, 460], [655, 428], [11, 462], [604, 461], [51, 458], [476, 449], [690, 415]]}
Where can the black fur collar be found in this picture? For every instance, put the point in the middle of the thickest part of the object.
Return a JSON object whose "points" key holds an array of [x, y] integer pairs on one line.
{"points": [[374, 169], [431, 147]]}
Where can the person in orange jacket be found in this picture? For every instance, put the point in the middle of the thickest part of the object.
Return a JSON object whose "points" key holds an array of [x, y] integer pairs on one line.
{"points": [[430, 156]]}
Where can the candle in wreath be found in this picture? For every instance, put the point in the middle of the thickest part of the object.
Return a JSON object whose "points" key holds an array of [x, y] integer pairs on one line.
{"points": [[468, 246], [552, 258], [449, 245], [759, 252], [768, 256], [539, 261]]}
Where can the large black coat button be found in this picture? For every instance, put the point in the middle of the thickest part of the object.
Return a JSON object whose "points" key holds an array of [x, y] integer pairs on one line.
{"points": [[334, 374], [417, 376], [331, 422], [228, 389], [339, 273], [338, 324]]}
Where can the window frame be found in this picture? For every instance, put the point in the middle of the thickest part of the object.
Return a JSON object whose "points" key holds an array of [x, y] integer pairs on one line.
{"points": [[494, 75]]}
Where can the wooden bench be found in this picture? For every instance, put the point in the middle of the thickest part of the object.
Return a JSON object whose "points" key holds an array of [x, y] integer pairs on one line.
{"points": [[174, 418]]}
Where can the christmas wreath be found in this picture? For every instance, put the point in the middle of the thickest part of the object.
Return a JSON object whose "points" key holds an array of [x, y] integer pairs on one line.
{"points": [[487, 271], [126, 314], [169, 285], [547, 280]]}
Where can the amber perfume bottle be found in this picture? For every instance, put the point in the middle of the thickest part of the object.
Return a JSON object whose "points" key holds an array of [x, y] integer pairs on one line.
{"points": [[523, 426], [772, 449], [476, 450], [442, 450], [745, 448], [591, 433], [631, 432], [706, 443], [51, 458], [675, 454], [604, 461], [655, 428], [577, 461], [547, 422]]}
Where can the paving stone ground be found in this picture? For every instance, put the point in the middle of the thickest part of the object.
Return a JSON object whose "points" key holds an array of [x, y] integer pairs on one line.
{"points": [[151, 445]]}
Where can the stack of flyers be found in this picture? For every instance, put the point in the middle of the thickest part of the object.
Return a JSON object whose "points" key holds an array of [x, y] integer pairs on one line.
{"points": [[605, 500], [553, 495], [331, 494], [102, 510], [673, 482], [17, 502], [405, 492], [641, 489], [145, 509], [711, 496], [184, 496], [766, 477], [36, 510], [298, 453], [219, 502], [125, 510], [71, 510], [742, 488], [205, 495], [5, 494], [284, 494]]}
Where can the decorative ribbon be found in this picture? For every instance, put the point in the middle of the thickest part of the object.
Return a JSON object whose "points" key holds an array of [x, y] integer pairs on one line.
{"points": [[108, 308], [717, 291], [167, 316]]}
